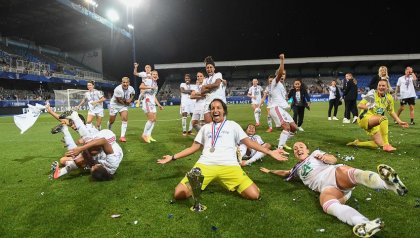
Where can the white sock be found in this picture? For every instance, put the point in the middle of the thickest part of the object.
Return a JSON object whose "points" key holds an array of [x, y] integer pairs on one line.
{"points": [[257, 117], [367, 178], [270, 124], [184, 124], [284, 136], [81, 128], [151, 129], [123, 128], [68, 139], [71, 165], [190, 127], [147, 128], [344, 213], [109, 125], [258, 155]]}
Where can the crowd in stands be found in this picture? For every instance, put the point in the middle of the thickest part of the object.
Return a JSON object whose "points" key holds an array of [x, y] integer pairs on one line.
{"points": [[315, 85]]}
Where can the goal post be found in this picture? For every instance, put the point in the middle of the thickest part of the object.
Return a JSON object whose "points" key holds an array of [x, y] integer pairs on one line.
{"points": [[68, 99]]}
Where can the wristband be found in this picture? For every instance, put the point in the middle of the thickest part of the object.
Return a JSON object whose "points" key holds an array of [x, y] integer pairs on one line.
{"points": [[173, 157]]}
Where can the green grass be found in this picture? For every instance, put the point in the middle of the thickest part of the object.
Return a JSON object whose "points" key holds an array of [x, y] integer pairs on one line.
{"points": [[73, 206]]}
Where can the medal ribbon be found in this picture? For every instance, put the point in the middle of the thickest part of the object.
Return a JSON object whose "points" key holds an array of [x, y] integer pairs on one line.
{"points": [[215, 134]]}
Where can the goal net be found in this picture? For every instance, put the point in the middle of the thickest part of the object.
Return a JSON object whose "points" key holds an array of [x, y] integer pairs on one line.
{"points": [[68, 99]]}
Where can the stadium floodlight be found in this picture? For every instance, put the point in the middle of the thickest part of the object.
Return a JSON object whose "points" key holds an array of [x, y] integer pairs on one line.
{"points": [[92, 3], [130, 26], [131, 3], [112, 15]]}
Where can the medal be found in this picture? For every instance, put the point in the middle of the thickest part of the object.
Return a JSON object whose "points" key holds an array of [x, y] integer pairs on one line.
{"points": [[215, 135]]}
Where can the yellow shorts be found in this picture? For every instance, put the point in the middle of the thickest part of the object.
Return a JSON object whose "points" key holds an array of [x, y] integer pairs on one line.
{"points": [[231, 177], [364, 123]]}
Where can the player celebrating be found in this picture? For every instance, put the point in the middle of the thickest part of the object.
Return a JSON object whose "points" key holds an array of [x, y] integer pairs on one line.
{"points": [[267, 99], [254, 93], [147, 73], [335, 183], [252, 154], [149, 103], [187, 104], [198, 115], [279, 105], [95, 99], [406, 92], [373, 120], [219, 140], [122, 98], [214, 87]]}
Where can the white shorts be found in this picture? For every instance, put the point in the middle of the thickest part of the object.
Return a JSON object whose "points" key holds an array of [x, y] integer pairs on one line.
{"points": [[198, 112], [116, 108], [327, 179], [243, 149], [148, 106], [96, 113], [256, 101], [280, 116], [111, 161], [186, 108]]}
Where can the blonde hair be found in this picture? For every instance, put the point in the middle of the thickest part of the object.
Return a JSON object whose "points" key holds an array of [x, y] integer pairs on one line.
{"points": [[386, 77]]}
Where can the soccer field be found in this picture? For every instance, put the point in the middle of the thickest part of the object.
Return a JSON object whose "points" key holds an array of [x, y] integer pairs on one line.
{"points": [[32, 205]]}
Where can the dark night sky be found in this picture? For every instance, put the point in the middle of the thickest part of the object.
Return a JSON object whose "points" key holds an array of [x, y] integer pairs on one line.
{"points": [[171, 31]]}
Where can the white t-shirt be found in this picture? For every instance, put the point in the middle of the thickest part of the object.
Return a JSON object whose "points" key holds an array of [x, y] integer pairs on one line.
{"points": [[218, 92], [93, 96], [119, 92], [225, 148], [332, 92], [255, 91], [278, 95], [267, 91], [112, 161], [406, 87], [185, 97], [315, 174], [150, 93]]}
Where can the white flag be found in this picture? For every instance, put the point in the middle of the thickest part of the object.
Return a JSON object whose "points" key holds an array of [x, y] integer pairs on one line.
{"points": [[27, 120]]}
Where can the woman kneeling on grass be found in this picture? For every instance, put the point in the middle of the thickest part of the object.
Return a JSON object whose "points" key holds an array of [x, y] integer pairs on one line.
{"points": [[219, 140], [373, 120], [335, 183]]}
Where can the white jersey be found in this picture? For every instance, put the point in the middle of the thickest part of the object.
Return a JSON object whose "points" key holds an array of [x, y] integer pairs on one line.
{"points": [[218, 92], [406, 87], [125, 94], [225, 148], [243, 148], [278, 95], [150, 93], [267, 91], [93, 96], [255, 91], [110, 161], [332, 91], [316, 174], [185, 97], [143, 75]]}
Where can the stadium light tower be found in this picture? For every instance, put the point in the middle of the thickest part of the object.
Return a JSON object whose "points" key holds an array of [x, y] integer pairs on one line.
{"points": [[112, 15]]}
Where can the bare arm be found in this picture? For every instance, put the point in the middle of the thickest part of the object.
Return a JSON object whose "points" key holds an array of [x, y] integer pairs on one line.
{"points": [[188, 151], [157, 103], [280, 70], [136, 65], [282, 173], [196, 95], [81, 103], [209, 87], [403, 124], [276, 154], [102, 142], [326, 158]]}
